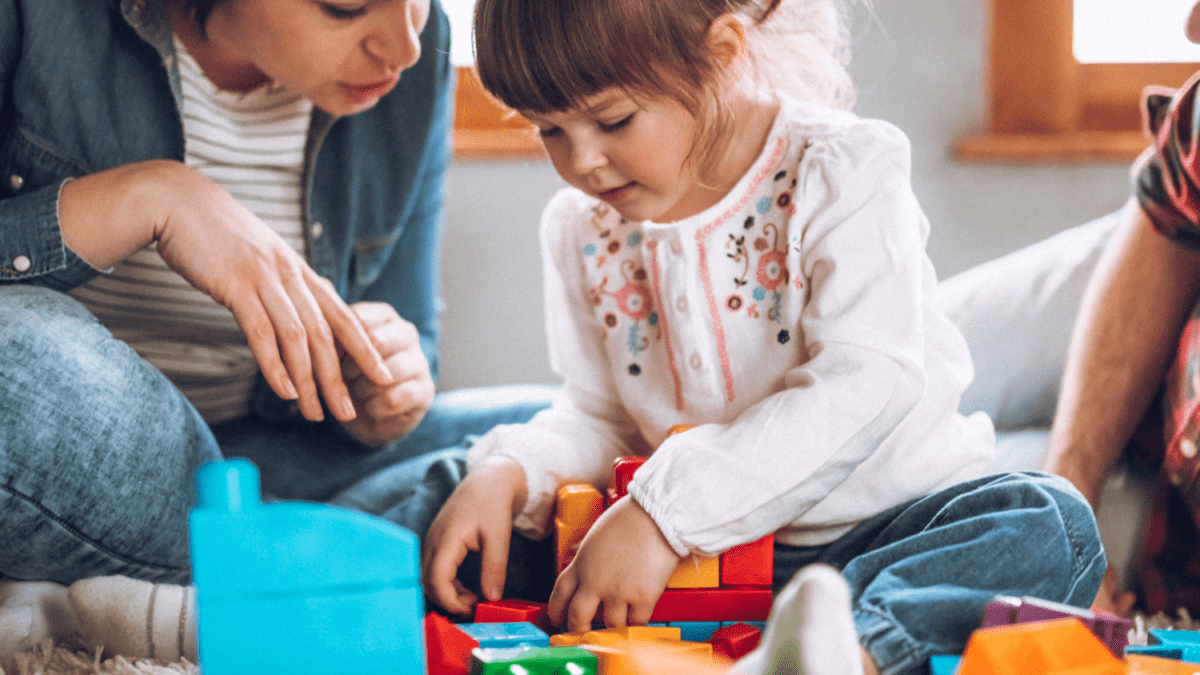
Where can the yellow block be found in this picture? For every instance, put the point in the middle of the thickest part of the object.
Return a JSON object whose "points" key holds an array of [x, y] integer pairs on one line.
{"points": [[696, 572], [576, 508]]}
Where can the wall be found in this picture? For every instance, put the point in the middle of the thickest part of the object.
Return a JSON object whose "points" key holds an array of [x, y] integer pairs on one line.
{"points": [[917, 63]]}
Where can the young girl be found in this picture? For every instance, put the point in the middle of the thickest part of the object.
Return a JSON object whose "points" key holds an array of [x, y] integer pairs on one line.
{"points": [[732, 257]]}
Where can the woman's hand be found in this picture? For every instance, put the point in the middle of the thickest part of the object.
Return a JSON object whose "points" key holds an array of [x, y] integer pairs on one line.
{"points": [[387, 413], [477, 517], [293, 319], [623, 563]]}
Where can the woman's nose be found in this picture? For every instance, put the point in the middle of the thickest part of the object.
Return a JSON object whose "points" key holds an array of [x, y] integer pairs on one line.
{"points": [[396, 43]]}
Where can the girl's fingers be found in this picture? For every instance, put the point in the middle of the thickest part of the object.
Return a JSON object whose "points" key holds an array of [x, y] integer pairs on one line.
{"points": [[616, 613]]}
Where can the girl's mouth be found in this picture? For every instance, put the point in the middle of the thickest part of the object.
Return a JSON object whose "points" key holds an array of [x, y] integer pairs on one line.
{"points": [[617, 193]]}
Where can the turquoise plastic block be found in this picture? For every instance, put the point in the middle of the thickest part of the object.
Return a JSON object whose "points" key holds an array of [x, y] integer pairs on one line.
{"points": [[533, 661], [1186, 640], [300, 588], [695, 631], [1161, 651], [511, 634], [943, 664]]}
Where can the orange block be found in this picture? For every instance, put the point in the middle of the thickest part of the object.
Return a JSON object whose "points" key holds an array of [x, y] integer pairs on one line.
{"points": [[577, 506], [1058, 647], [696, 572], [1140, 664]]}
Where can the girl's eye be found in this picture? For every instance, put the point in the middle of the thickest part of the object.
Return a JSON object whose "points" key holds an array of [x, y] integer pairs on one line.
{"points": [[343, 12], [548, 133], [616, 126]]}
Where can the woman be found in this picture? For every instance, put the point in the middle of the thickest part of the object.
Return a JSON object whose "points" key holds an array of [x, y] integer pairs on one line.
{"points": [[247, 194]]}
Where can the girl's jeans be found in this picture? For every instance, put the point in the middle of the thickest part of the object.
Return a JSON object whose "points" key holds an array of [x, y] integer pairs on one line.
{"points": [[98, 449]]}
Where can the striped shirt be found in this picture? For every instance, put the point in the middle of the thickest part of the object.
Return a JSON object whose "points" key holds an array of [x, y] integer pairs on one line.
{"points": [[252, 145]]}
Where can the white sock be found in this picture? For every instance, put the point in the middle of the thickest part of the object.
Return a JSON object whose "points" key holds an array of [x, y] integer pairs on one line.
{"points": [[810, 630], [32, 611], [136, 619]]}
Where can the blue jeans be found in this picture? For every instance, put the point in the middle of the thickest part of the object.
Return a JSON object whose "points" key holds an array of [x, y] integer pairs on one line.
{"points": [[98, 448], [920, 574]]}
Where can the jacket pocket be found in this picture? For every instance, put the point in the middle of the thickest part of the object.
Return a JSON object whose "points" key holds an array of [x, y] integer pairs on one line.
{"points": [[26, 165]]}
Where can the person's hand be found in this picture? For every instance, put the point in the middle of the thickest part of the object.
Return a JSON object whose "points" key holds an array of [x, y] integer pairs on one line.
{"points": [[623, 563], [1111, 598], [478, 516], [293, 319], [386, 413]]}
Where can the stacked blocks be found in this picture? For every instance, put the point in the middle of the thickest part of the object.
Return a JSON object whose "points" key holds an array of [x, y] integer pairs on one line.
{"points": [[300, 588], [735, 586], [1112, 630]]}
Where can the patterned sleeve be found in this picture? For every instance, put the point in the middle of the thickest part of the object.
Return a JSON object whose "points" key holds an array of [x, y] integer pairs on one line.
{"points": [[1167, 179]]}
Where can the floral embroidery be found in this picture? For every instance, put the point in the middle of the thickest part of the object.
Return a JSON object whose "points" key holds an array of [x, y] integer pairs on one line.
{"points": [[770, 269], [629, 308]]}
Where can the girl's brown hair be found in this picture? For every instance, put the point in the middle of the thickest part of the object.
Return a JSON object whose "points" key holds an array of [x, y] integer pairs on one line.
{"points": [[551, 55]]}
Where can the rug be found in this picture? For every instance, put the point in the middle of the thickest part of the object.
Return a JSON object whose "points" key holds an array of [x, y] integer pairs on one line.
{"points": [[50, 659]]}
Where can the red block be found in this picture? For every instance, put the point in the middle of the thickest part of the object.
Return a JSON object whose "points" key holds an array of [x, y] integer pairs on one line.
{"points": [[512, 611], [744, 603], [735, 641], [447, 649], [623, 470], [751, 564]]}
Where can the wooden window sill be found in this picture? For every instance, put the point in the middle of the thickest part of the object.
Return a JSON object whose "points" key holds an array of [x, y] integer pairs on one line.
{"points": [[496, 144], [484, 129], [1046, 148]]}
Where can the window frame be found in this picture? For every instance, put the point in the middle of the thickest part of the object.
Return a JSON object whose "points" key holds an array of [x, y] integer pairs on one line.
{"points": [[1045, 105], [485, 129]]}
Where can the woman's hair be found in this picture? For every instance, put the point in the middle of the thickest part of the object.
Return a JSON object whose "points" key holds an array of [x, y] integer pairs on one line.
{"points": [[199, 10], [551, 55]]}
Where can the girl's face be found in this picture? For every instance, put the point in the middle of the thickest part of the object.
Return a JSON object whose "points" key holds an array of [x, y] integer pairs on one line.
{"points": [[633, 154], [343, 55]]}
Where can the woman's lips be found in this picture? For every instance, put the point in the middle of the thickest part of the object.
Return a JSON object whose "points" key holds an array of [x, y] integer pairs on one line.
{"points": [[367, 92]]}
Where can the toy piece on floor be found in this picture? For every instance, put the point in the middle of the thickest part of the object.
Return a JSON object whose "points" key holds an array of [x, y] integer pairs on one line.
{"points": [[1054, 647], [944, 664], [610, 644], [510, 610], [1166, 642], [448, 648], [1137, 664], [1111, 629], [502, 635], [297, 587], [735, 640], [533, 661], [577, 507]]}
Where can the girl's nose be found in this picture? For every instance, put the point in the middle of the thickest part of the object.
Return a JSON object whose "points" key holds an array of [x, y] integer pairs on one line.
{"points": [[397, 43], [587, 156]]}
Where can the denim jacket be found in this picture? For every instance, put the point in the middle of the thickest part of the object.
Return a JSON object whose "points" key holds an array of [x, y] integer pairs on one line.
{"points": [[85, 89]]}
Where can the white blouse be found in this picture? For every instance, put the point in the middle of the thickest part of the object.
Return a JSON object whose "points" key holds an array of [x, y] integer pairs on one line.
{"points": [[792, 322]]}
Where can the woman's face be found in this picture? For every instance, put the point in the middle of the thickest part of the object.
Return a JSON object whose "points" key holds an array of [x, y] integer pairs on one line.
{"points": [[343, 55]]}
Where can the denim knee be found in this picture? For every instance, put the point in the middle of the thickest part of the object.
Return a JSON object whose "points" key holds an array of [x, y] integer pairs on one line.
{"points": [[97, 448]]}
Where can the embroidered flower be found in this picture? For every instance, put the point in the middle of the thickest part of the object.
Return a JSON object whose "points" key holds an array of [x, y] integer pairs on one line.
{"points": [[635, 239], [614, 246], [783, 337], [635, 369], [761, 244], [772, 269], [734, 302], [763, 206], [783, 200], [634, 301], [610, 320]]}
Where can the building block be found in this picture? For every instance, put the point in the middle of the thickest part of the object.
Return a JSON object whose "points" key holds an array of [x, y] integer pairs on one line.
{"points": [[944, 664], [695, 631], [1173, 652], [1187, 641], [694, 572], [449, 648], [745, 603], [509, 610], [499, 635], [1055, 647], [623, 470], [534, 661], [751, 564], [1112, 630], [297, 587], [1138, 664], [735, 641], [577, 507]]}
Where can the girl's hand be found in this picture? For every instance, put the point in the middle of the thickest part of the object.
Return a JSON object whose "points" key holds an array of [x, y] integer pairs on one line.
{"points": [[387, 413], [477, 517], [293, 319], [623, 563]]}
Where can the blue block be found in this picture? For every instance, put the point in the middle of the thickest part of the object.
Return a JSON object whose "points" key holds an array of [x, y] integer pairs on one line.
{"points": [[695, 631], [943, 664], [299, 588], [1186, 640], [1161, 651], [499, 635]]}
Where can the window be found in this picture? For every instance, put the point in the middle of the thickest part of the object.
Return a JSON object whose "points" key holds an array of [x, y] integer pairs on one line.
{"points": [[482, 127], [1046, 104]]}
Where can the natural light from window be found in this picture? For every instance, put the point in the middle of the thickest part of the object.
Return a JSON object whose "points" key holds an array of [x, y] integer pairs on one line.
{"points": [[459, 12], [1133, 31]]}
